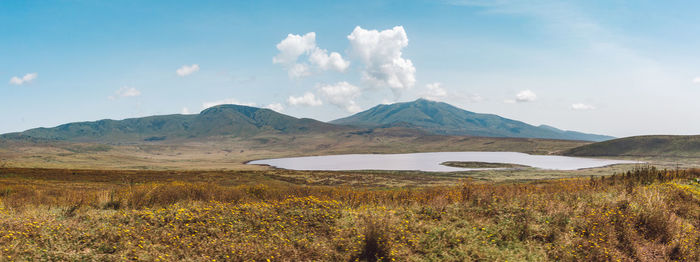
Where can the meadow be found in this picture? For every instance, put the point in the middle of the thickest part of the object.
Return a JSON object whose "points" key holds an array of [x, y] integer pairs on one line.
{"points": [[645, 214]]}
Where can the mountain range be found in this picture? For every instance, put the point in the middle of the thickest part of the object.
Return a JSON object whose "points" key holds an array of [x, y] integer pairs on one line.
{"points": [[242, 121], [443, 118], [222, 120]]}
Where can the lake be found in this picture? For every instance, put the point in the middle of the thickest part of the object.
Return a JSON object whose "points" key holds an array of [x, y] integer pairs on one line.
{"points": [[430, 162]]}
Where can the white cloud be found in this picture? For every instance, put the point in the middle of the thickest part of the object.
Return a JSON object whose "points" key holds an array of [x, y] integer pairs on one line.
{"points": [[225, 102], [276, 107], [380, 51], [525, 96], [186, 70], [28, 78], [343, 95], [582, 106], [696, 80], [295, 46], [125, 91], [435, 92], [186, 111], [298, 71], [308, 99], [323, 60]]}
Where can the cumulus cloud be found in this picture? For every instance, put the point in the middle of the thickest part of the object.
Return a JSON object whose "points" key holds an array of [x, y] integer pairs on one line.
{"points": [[276, 107], [295, 46], [523, 97], [343, 95], [225, 102], [28, 78], [125, 91], [696, 80], [323, 60], [380, 51], [308, 99], [186, 111], [582, 106], [435, 91], [186, 70]]}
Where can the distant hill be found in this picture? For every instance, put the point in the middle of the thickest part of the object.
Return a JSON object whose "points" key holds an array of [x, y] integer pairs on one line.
{"points": [[573, 135], [222, 120], [423, 116], [675, 146], [443, 118]]}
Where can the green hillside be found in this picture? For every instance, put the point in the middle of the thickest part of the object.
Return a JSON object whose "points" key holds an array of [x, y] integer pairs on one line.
{"points": [[223, 120], [671, 146], [442, 118], [423, 116]]}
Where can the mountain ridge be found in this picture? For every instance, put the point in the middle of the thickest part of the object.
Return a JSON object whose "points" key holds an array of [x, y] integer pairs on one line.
{"points": [[221, 120], [431, 117], [446, 119], [649, 145]]}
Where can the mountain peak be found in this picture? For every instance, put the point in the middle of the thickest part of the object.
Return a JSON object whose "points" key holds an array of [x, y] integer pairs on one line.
{"points": [[220, 120], [240, 120], [230, 107], [443, 118]]}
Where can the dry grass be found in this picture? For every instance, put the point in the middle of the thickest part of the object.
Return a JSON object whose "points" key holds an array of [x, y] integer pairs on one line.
{"points": [[643, 215], [231, 153]]}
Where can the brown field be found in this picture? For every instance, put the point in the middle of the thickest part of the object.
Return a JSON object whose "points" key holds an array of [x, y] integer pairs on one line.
{"points": [[198, 201], [101, 215], [232, 153]]}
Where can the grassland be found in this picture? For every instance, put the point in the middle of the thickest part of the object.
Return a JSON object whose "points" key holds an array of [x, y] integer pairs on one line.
{"points": [[198, 201], [59, 214], [231, 153], [471, 164], [643, 146]]}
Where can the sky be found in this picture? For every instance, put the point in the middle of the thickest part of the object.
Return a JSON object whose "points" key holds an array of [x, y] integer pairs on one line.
{"points": [[613, 67]]}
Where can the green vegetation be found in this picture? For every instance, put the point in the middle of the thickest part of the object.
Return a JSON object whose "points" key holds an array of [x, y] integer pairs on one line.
{"points": [[418, 118], [642, 215], [466, 164], [442, 118], [652, 146], [223, 120]]}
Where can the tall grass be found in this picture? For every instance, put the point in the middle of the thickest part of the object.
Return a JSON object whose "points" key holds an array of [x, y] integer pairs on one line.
{"points": [[641, 215]]}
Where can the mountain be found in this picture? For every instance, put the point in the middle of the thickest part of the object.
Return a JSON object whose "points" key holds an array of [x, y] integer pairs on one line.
{"points": [[443, 118], [671, 146], [573, 135], [244, 121], [222, 120]]}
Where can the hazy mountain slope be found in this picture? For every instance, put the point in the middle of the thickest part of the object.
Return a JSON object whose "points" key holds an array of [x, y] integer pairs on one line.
{"points": [[677, 146], [577, 135], [442, 118], [234, 120]]}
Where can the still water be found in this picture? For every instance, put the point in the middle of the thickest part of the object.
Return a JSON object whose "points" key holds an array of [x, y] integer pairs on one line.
{"points": [[430, 162]]}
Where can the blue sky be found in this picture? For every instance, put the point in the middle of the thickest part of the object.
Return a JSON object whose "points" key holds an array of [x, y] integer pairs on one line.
{"points": [[612, 67]]}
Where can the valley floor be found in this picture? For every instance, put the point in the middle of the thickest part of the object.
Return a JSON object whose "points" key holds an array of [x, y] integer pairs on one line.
{"points": [[100, 215], [227, 153]]}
